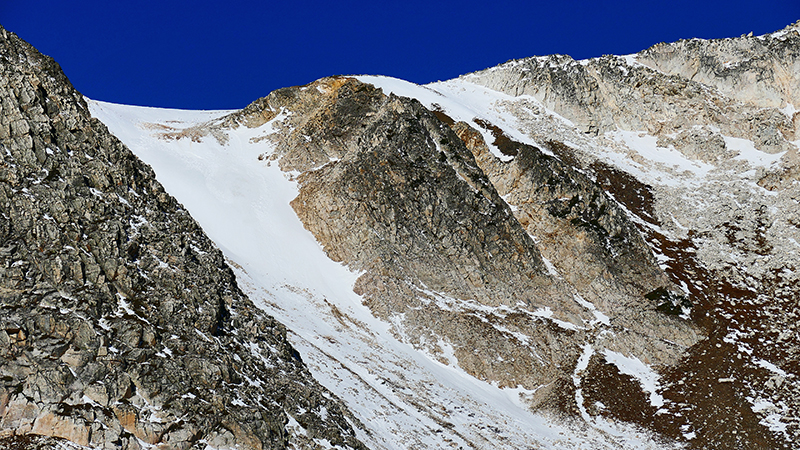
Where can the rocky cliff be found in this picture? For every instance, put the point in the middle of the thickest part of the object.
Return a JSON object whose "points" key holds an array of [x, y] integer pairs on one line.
{"points": [[698, 141], [393, 191], [121, 325]]}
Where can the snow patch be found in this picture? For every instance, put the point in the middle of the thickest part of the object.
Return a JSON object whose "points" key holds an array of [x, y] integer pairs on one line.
{"points": [[634, 367]]}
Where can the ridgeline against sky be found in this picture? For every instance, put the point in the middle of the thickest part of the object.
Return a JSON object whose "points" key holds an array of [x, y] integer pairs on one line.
{"points": [[212, 55]]}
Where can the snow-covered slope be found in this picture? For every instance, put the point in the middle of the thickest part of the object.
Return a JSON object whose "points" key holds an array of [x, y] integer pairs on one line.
{"points": [[404, 398], [715, 221], [707, 178]]}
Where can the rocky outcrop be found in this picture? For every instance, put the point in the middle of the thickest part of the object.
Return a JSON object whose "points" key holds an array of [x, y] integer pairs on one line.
{"points": [[391, 190], [762, 71], [684, 93], [758, 71], [611, 92], [583, 233], [121, 326], [698, 141]]}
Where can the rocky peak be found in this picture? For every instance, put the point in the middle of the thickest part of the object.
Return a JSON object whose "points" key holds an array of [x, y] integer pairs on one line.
{"points": [[391, 189], [763, 71], [651, 92], [121, 324]]}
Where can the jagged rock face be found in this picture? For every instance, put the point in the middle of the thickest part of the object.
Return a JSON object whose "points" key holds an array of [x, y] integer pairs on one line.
{"points": [[584, 234], [687, 94], [723, 219], [391, 190], [758, 71], [763, 71], [120, 323], [611, 92]]}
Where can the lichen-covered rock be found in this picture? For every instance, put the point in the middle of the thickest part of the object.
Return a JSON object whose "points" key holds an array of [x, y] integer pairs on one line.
{"points": [[121, 325]]}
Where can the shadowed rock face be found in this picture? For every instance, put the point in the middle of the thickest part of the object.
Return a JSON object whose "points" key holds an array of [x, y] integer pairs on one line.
{"points": [[120, 322], [391, 190], [578, 227]]}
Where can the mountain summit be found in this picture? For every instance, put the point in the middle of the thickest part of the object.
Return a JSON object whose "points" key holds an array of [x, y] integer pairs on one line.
{"points": [[549, 253]]}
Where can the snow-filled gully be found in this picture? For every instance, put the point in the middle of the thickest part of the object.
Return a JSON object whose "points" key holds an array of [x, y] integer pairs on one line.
{"points": [[403, 397]]}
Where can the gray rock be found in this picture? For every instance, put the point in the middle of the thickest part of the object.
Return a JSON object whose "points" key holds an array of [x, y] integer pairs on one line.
{"points": [[727, 233], [389, 189], [121, 322]]}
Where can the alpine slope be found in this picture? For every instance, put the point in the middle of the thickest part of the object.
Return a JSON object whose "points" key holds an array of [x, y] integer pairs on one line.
{"points": [[549, 253]]}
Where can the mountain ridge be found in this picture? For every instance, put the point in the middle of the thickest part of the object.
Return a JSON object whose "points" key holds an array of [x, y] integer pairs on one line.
{"points": [[588, 183]]}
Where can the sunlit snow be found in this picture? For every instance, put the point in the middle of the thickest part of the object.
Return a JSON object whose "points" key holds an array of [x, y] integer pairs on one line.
{"points": [[405, 398]]}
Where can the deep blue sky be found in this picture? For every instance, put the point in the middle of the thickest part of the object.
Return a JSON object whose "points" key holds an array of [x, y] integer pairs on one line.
{"points": [[219, 55]]}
